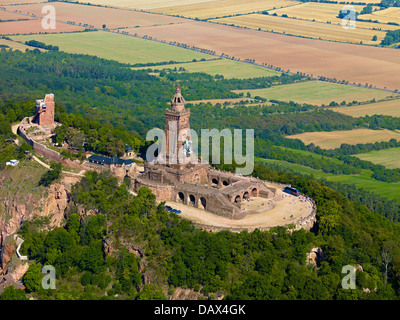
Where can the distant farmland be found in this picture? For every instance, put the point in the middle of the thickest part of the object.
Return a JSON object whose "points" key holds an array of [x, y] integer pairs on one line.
{"points": [[97, 16], [388, 108], [385, 16], [117, 47], [333, 139], [358, 64], [305, 28], [317, 93], [390, 158], [220, 8], [225, 67], [201, 9], [363, 180]]}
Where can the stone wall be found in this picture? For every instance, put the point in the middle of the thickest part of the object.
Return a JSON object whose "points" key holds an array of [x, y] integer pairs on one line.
{"points": [[49, 153]]}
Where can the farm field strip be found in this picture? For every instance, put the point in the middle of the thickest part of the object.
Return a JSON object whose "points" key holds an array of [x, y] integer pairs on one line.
{"points": [[221, 8], [96, 17], [317, 93], [384, 16], [359, 64], [145, 4], [119, 47], [333, 139], [313, 11], [388, 108], [34, 27], [304, 28], [8, 16], [227, 68], [390, 158], [16, 2]]}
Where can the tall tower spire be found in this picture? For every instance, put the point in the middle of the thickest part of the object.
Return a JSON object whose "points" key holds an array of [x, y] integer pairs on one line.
{"points": [[177, 102], [177, 127]]}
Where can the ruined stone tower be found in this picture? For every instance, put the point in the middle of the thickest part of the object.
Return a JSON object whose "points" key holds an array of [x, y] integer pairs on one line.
{"points": [[44, 112]]}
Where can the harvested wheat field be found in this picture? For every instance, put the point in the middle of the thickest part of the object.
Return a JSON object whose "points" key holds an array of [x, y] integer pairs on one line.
{"points": [[313, 11], [385, 16], [144, 4], [387, 108], [12, 2], [33, 27], [114, 46], [97, 16], [354, 63], [221, 8], [305, 28], [333, 139]]}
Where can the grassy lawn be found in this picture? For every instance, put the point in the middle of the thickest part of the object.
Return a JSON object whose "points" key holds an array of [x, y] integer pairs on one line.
{"points": [[318, 93], [390, 158], [228, 68], [363, 180], [117, 47]]}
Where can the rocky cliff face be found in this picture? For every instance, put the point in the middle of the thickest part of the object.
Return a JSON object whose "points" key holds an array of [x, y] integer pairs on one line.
{"points": [[17, 211]]}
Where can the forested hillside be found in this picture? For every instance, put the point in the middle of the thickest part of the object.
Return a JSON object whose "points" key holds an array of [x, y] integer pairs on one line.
{"points": [[107, 255], [258, 265]]}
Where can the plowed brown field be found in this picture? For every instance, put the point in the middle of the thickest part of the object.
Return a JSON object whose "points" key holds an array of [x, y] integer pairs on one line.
{"points": [[353, 63]]}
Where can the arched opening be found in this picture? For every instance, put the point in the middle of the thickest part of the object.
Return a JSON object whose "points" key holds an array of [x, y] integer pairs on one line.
{"points": [[225, 183], [181, 197], [192, 200], [196, 178], [203, 203], [214, 181], [246, 196], [238, 199], [254, 192]]}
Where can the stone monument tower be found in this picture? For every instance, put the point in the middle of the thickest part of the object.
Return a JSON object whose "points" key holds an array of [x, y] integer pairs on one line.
{"points": [[177, 131]]}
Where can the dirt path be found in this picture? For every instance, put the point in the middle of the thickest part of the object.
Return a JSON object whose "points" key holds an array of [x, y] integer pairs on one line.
{"points": [[80, 174]]}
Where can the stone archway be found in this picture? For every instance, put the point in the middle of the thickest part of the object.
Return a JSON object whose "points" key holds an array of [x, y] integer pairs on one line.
{"points": [[214, 181], [246, 195], [254, 192], [225, 183], [180, 197], [196, 178], [192, 200], [203, 203], [238, 199]]}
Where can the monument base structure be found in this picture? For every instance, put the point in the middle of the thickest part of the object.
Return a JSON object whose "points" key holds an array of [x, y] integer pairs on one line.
{"points": [[197, 184]]}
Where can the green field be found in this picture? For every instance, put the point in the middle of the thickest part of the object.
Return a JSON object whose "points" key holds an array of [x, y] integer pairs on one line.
{"points": [[117, 47], [228, 68], [318, 93], [334, 139], [390, 158], [363, 180]]}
